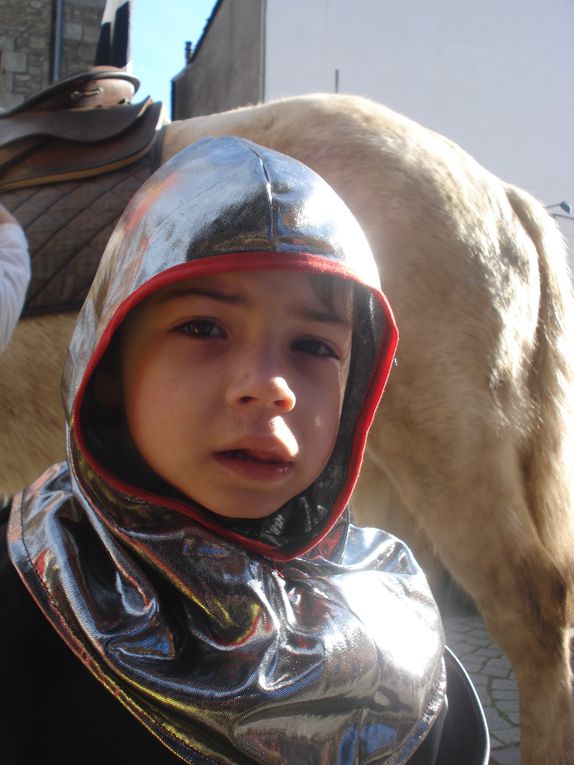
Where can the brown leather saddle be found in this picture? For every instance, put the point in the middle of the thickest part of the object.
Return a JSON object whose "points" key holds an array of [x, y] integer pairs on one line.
{"points": [[71, 158], [82, 125]]}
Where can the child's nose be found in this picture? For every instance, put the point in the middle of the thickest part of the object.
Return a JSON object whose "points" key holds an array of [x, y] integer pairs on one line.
{"points": [[254, 389]]}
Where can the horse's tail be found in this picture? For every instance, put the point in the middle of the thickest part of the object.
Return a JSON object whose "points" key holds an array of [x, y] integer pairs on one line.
{"points": [[549, 459]]}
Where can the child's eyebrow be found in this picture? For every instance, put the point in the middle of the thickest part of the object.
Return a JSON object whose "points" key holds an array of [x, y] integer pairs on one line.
{"points": [[187, 292], [325, 316]]}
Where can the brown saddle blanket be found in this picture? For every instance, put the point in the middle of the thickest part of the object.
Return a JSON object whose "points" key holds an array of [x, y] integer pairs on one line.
{"points": [[68, 171], [68, 225]]}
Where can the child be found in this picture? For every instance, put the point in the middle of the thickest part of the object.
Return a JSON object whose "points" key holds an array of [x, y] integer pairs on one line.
{"points": [[14, 274], [195, 552]]}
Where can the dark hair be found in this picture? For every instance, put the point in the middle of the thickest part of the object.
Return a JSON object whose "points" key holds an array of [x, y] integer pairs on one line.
{"points": [[335, 293]]}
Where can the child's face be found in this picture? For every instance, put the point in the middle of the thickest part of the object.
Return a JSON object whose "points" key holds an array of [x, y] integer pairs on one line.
{"points": [[233, 386]]}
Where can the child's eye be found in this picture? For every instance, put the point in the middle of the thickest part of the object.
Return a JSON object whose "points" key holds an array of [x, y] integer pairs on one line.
{"points": [[315, 347], [201, 328]]}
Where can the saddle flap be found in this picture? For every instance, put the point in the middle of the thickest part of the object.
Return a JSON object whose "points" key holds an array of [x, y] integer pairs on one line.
{"points": [[53, 160], [80, 125]]}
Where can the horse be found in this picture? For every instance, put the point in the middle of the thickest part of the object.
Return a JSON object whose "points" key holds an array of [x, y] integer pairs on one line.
{"points": [[470, 455]]}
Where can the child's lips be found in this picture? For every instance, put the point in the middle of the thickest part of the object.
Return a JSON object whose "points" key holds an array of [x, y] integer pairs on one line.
{"points": [[255, 464]]}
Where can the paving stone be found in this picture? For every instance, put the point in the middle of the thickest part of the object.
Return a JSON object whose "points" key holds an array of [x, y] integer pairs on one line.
{"points": [[500, 660], [507, 706], [502, 695], [487, 651], [482, 643], [501, 684], [507, 756], [495, 670], [473, 664], [495, 722], [508, 736], [513, 718]]}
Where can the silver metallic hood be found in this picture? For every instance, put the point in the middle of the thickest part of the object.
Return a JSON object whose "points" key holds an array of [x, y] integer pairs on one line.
{"points": [[216, 198]]}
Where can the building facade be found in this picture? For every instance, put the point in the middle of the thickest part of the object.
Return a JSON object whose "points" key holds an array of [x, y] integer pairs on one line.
{"points": [[42, 41], [493, 76], [227, 66]]}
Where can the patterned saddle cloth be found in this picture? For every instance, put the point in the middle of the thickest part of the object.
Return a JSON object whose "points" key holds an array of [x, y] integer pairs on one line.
{"points": [[68, 225]]}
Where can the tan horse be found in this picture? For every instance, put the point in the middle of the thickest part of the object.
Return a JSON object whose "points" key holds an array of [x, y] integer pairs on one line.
{"points": [[470, 456]]}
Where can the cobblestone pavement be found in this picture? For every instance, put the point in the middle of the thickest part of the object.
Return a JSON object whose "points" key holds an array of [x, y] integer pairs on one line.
{"points": [[493, 679]]}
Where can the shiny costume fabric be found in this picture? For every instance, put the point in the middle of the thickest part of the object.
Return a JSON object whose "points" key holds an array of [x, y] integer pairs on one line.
{"points": [[299, 639]]}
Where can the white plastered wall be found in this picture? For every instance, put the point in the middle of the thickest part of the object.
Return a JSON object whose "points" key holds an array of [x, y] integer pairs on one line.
{"points": [[495, 76]]}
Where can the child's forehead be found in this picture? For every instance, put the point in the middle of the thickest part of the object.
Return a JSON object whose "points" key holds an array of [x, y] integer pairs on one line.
{"points": [[243, 287], [296, 282]]}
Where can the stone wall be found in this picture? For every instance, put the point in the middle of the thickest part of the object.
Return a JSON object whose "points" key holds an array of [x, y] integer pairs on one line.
{"points": [[27, 35], [82, 19], [25, 47]]}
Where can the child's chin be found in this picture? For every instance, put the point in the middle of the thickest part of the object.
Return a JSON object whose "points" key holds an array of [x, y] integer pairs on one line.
{"points": [[241, 514], [239, 505], [245, 508]]}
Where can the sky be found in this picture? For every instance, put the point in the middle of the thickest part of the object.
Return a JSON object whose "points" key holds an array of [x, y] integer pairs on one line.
{"points": [[159, 31]]}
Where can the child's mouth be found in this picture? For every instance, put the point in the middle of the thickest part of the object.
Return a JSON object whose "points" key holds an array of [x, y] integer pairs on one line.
{"points": [[254, 464], [253, 456]]}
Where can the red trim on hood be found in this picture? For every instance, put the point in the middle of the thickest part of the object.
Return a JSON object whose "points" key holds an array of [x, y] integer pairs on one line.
{"points": [[249, 261]]}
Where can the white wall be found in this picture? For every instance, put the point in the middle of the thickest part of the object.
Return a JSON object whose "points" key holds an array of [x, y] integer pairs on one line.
{"points": [[493, 75]]}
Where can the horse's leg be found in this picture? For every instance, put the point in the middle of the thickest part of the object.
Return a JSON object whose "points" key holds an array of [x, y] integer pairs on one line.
{"points": [[30, 401], [469, 498], [376, 502]]}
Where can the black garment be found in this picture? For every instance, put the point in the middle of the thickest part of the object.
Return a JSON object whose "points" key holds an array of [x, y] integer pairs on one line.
{"points": [[76, 720]]}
